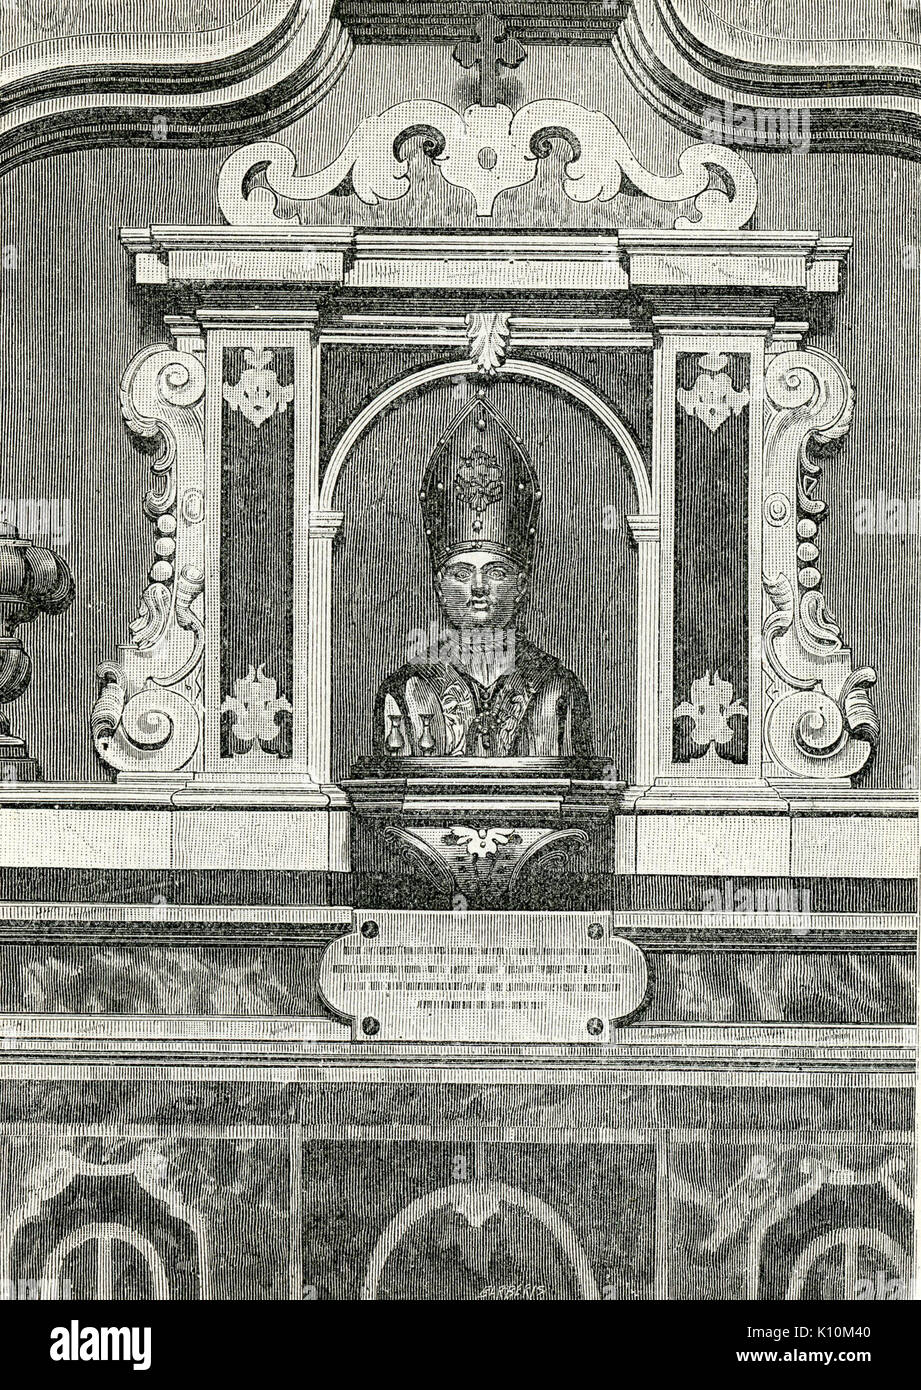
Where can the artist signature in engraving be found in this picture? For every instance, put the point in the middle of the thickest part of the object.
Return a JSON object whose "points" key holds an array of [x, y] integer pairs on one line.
{"points": [[513, 1291]]}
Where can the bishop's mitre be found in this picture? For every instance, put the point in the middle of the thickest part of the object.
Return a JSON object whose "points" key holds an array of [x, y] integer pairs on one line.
{"points": [[480, 491]]}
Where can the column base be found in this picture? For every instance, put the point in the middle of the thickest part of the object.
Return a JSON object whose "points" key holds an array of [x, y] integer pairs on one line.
{"points": [[271, 791], [702, 794]]}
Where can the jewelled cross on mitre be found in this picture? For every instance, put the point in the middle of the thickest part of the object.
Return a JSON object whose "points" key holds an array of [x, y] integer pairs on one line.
{"points": [[494, 48], [479, 484]]}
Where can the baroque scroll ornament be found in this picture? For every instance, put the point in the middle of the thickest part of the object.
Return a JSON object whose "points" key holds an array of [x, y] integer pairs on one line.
{"points": [[486, 151], [819, 721], [148, 714]]}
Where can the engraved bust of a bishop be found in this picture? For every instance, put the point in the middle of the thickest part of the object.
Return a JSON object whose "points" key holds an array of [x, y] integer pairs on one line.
{"points": [[481, 690]]}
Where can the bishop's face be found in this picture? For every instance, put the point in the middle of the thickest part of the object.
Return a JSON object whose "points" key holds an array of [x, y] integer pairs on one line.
{"points": [[480, 589]]}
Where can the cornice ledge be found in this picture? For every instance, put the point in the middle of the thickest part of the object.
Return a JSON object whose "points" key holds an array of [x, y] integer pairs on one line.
{"points": [[615, 259], [685, 63], [200, 89]]}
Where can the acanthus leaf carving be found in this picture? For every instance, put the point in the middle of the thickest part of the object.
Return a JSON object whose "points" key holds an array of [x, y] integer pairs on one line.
{"points": [[153, 616], [488, 335], [819, 722], [487, 150], [860, 717], [148, 714]]}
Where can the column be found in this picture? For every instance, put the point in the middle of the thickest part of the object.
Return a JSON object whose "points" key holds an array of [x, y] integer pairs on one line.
{"points": [[709, 371]]}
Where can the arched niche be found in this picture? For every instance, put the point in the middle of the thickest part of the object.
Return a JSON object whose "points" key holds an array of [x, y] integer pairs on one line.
{"points": [[107, 1260], [591, 588], [111, 1226]]}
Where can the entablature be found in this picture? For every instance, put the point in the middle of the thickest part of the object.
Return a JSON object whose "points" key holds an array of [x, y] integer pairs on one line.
{"points": [[541, 263]]}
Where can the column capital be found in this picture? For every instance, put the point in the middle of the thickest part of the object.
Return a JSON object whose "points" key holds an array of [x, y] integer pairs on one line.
{"points": [[787, 336], [186, 332], [323, 524], [237, 317], [646, 527]]}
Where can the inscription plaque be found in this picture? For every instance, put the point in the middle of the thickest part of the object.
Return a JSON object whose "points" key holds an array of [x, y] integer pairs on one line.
{"points": [[481, 977]]}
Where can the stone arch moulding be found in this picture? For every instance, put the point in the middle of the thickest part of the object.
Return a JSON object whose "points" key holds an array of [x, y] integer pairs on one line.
{"points": [[537, 371], [110, 1233], [644, 528], [817, 1173], [478, 1203], [849, 1239]]}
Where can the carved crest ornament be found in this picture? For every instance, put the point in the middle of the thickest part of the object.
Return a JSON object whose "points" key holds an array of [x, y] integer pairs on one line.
{"points": [[711, 706], [713, 398], [258, 394], [486, 151]]}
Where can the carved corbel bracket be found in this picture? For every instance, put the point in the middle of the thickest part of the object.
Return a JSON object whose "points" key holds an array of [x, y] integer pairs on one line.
{"points": [[148, 714], [484, 864], [819, 722]]}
